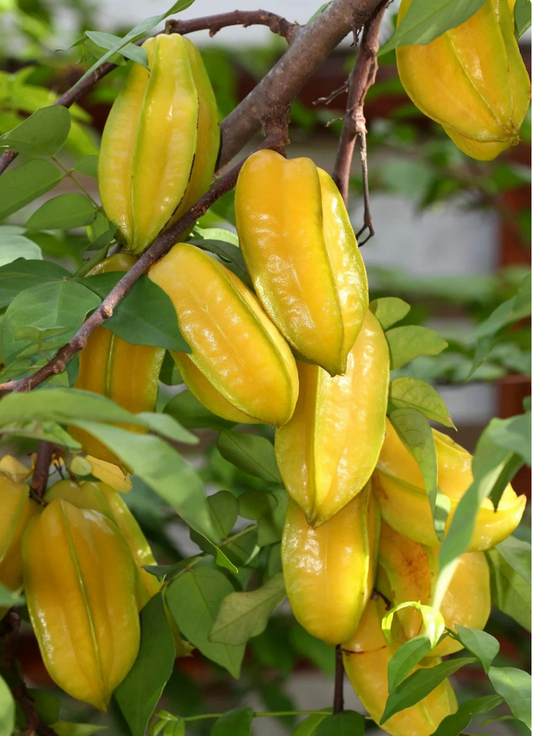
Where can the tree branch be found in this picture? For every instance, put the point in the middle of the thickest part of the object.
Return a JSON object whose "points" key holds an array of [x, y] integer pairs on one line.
{"points": [[312, 44], [211, 23], [9, 633], [42, 469], [338, 696], [163, 243], [214, 23], [362, 78]]}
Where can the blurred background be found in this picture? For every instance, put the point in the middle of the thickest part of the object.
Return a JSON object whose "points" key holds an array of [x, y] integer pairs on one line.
{"points": [[452, 239]]}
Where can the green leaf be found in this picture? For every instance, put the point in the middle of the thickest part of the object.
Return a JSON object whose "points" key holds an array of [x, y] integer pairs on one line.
{"points": [[517, 554], [311, 19], [510, 584], [88, 166], [224, 510], [422, 682], [256, 505], [413, 393], [409, 342], [140, 691], [216, 233], [389, 310], [415, 433], [109, 41], [347, 723], [63, 213], [62, 405], [136, 33], [313, 649], [229, 254], [145, 317], [170, 374], [161, 468], [237, 722], [7, 710], [42, 134], [514, 686], [62, 728], [425, 21], [49, 305], [250, 453], [194, 600], [245, 615], [20, 186], [482, 645], [310, 725], [174, 728], [186, 408], [42, 431], [405, 658], [522, 17], [167, 426], [17, 246], [271, 524], [513, 434], [454, 724], [506, 314], [23, 274], [46, 705]]}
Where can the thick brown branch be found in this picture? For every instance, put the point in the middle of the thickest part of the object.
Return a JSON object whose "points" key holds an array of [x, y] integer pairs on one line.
{"points": [[42, 469], [161, 245], [245, 18], [211, 23], [311, 45], [9, 633], [361, 79]]}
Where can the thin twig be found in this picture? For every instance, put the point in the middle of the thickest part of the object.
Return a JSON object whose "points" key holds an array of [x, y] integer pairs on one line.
{"points": [[211, 23], [338, 697], [332, 95], [362, 78], [214, 23], [9, 633], [42, 469], [157, 250]]}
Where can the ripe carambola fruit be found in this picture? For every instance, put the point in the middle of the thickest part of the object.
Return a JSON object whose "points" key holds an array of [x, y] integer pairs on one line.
{"points": [[328, 450], [79, 581], [112, 367], [366, 658], [329, 572], [404, 503], [472, 80], [160, 142], [408, 571], [16, 509], [102, 498], [302, 255], [240, 366]]}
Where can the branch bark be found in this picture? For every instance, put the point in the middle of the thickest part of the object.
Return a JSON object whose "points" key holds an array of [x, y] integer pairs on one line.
{"points": [[9, 633], [214, 23], [338, 696], [312, 44], [42, 469], [362, 77]]}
